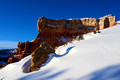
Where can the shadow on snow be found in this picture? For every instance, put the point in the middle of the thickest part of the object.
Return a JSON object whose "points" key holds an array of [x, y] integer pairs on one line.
{"points": [[42, 75], [51, 56], [108, 73]]}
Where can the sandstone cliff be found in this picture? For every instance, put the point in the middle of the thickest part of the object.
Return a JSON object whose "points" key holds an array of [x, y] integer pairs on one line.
{"points": [[59, 32]]}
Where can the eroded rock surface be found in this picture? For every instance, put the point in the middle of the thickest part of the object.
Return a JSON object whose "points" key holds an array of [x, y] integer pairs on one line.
{"points": [[40, 56], [106, 21], [59, 32]]}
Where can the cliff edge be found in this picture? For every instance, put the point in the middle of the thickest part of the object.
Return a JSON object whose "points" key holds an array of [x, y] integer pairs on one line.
{"points": [[59, 32]]}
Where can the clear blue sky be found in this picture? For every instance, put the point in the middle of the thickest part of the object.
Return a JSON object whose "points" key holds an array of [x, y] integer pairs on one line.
{"points": [[18, 18]]}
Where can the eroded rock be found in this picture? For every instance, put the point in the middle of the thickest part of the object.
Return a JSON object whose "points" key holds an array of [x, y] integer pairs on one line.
{"points": [[106, 21], [40, 56], [52, 31]]}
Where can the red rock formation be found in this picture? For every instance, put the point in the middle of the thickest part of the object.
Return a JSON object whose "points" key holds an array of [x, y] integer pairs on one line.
{"points": [[107, 21], [59, 32], [40, 56]]}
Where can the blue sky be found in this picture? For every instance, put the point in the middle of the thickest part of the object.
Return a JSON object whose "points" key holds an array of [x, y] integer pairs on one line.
{"points": [[18, 18]]}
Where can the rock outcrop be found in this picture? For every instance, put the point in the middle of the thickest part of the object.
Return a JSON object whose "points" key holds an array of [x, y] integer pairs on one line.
{"points": [[40, 56], [76, 24], [71, 24], [59, 32], [106, 21]]}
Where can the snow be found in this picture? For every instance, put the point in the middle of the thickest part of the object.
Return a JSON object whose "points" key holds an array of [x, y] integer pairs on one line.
{"points": [[63, 39], [80, 18], [118, 22], [97, 57], [51, 25]]}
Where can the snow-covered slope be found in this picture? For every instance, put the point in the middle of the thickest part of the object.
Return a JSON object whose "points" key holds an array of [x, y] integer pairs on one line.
{"points": [[95, 58]]}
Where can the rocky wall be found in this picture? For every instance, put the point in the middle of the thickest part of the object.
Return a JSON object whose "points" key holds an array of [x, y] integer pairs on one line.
{"points": [[59, 32]]}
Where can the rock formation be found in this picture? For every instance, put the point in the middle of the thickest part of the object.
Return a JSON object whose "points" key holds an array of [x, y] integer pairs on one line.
{"points": [[40, 56], [106, 21], [59, 32], [73, 24]]}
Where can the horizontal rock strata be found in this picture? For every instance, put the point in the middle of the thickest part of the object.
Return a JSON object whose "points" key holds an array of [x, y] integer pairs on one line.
{"points": [[59, 32]]}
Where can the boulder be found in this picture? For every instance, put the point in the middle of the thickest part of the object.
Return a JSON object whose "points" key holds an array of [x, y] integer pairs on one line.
{"points": [[40, 56]]}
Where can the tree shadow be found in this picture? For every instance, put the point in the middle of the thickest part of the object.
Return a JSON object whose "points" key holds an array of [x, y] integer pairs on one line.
{"points": [[109, 73]]}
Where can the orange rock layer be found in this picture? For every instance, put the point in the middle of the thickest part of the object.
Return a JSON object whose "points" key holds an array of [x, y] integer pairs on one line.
{"points": [[59, 32]]}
